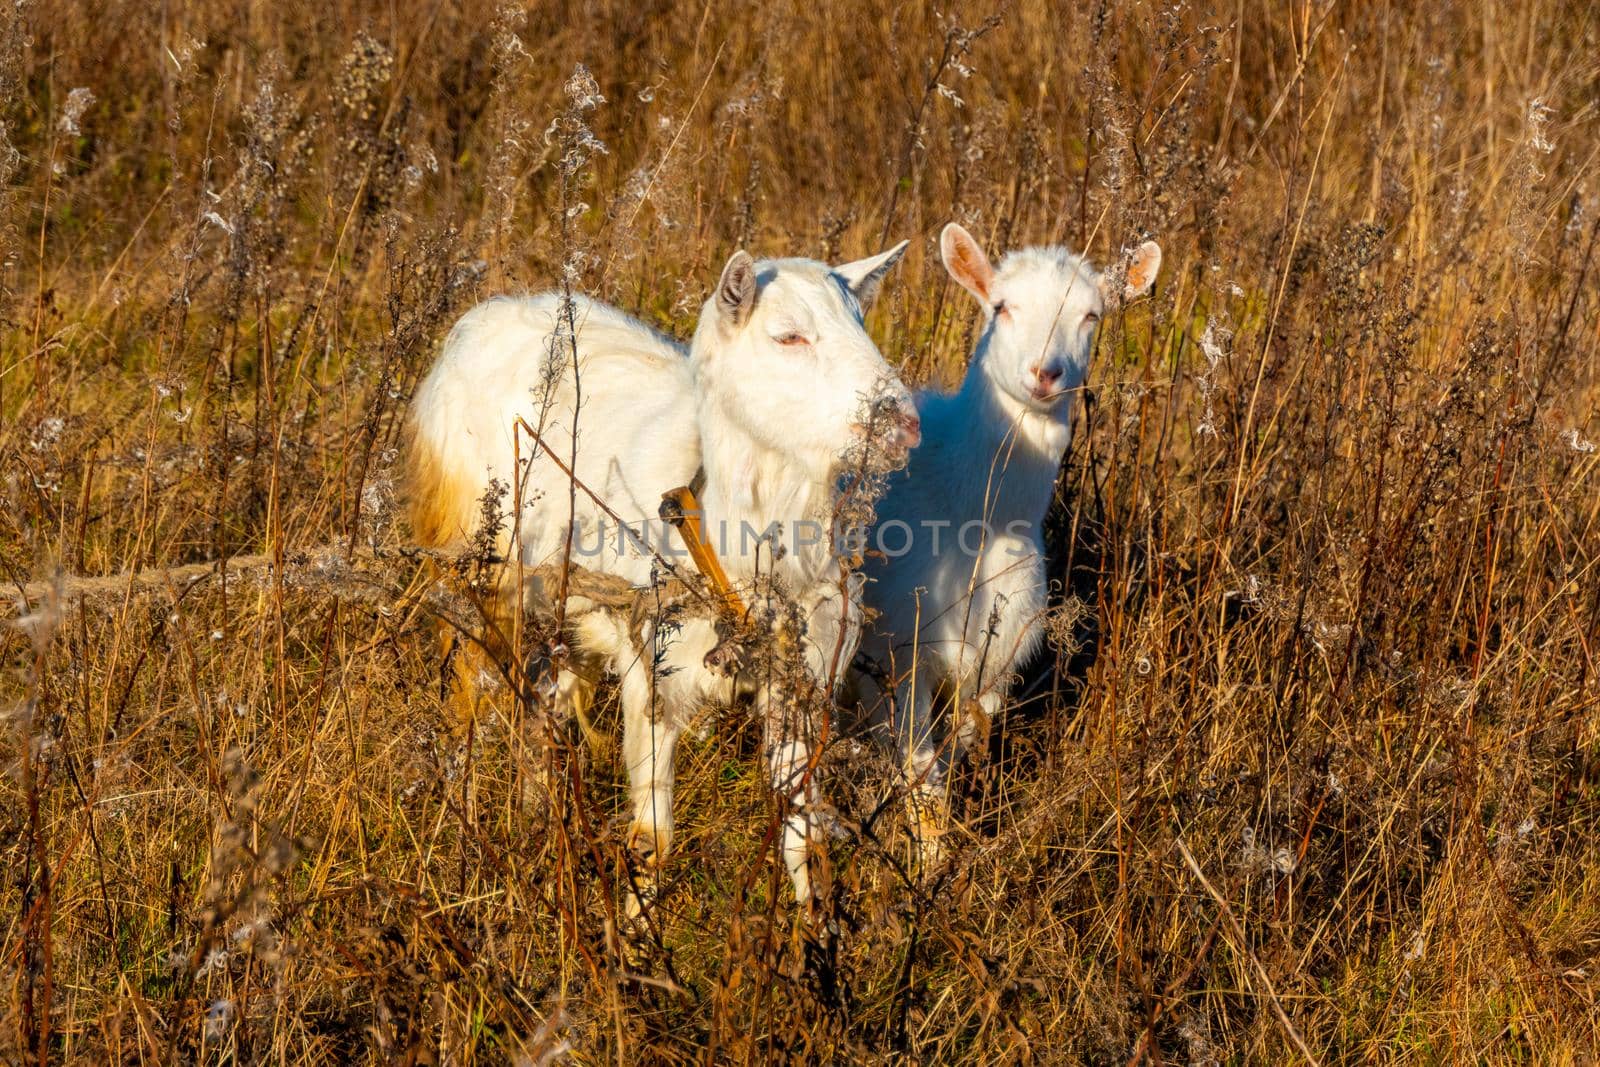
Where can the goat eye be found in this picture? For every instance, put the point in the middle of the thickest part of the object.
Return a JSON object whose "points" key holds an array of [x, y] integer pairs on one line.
{"points": [[999, 308], [792, 338], [1092, 318]]}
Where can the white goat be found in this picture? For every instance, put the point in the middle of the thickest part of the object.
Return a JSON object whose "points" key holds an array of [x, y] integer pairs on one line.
{"points": [[762, 405], [960, 607]]}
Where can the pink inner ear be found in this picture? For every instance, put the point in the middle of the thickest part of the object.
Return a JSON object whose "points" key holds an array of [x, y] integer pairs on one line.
{"points": [[968, 265], [1141, 272]]}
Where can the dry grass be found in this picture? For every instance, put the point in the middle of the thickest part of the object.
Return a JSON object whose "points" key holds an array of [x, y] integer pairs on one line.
{"points": [[1315, 762]]}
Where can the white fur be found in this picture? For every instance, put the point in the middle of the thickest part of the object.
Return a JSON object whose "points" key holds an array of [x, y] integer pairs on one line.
{"points": [[765, 399], [964, 613]]}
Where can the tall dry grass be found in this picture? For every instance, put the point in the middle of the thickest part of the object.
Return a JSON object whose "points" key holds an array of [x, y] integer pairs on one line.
{"points": [[1313, 768]]}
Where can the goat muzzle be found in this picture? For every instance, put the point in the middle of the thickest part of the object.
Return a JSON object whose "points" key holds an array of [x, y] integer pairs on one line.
{"points": [[908, 430]]}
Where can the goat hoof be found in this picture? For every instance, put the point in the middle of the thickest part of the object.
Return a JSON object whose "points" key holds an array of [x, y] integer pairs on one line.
{"points": [[639, 899], [931, 854], [930, 819], [537, 794], [648, 844]]}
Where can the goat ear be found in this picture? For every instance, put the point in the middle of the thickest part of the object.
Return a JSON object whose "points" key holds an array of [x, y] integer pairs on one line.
{"points": [[1142, 270], [864, 276], [964, 259], [736, 289]]}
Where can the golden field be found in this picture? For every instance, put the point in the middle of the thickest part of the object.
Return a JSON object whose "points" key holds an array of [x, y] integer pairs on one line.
{"points": [[1311, 769]]}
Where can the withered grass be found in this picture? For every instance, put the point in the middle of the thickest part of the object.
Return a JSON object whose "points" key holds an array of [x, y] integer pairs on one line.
{"points": [[1312, 767]]}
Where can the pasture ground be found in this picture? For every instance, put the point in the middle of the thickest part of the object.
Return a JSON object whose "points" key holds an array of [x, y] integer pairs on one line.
{"points": [[1313, 770]]}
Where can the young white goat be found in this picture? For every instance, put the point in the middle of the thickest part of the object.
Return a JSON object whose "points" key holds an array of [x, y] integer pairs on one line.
{"points": [[762, 404], [960, 608]]}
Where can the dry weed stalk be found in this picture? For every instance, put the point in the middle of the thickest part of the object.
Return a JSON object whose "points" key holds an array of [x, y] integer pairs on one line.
{"points": [[1312, 768]]}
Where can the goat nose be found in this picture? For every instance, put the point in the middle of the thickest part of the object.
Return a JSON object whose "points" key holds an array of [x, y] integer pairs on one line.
{"points": [[1047, 376], [910, 430]]}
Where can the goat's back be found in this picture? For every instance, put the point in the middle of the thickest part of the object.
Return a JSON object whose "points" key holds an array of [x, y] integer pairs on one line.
{"points": [[629, 395]]}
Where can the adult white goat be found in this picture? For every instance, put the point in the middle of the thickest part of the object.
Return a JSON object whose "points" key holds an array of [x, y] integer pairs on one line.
{"points": [[960, 590], [762, 405]]}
